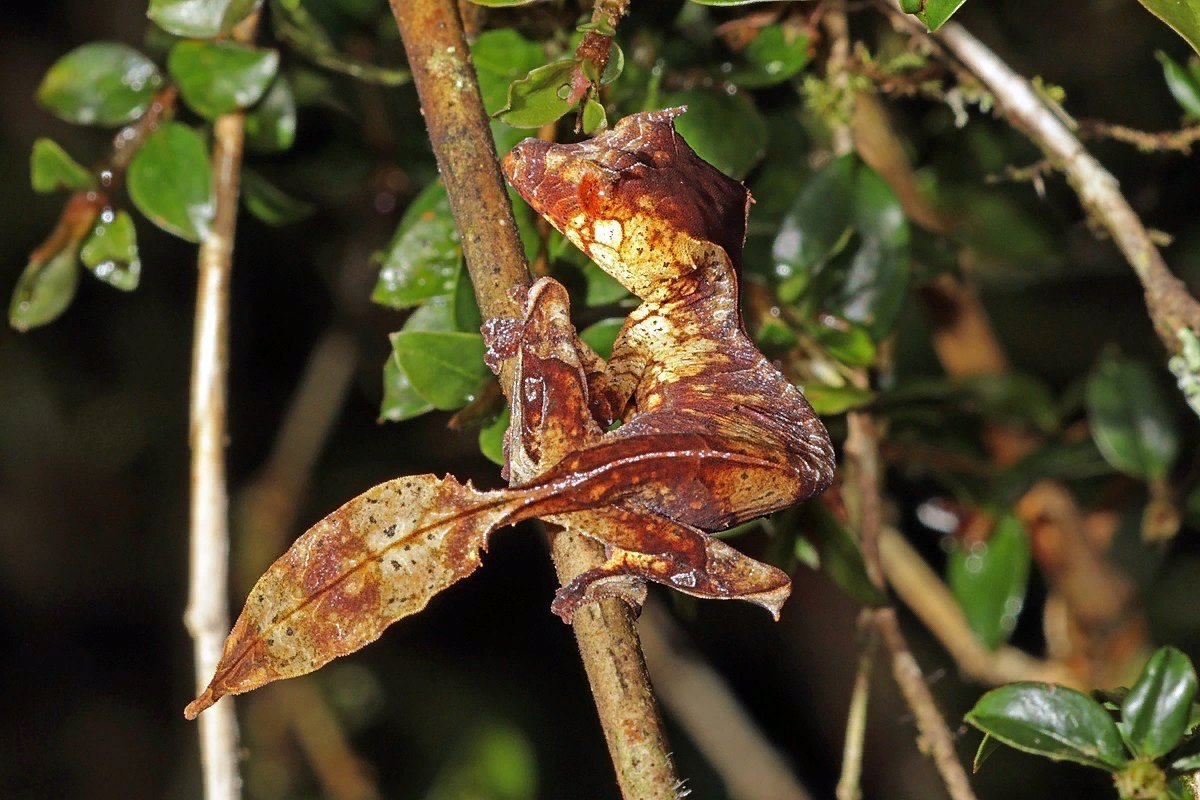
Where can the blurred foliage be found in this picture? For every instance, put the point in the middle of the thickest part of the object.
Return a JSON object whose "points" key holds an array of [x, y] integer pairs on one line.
{"points": [[841, 256]]}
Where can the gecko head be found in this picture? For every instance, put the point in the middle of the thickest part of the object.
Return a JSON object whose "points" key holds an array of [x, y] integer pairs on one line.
{"points": [[636, 199]]}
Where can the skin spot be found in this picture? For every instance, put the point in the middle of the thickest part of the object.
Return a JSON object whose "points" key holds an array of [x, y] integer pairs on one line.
{"points": [[607, 232]]}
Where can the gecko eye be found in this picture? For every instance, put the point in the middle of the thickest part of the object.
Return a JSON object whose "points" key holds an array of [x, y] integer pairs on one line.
{"points": [[593, 195]]}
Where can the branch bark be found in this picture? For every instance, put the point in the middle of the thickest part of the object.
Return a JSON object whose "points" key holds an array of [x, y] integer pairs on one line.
{"points": [[207, 615], [458, 129]]}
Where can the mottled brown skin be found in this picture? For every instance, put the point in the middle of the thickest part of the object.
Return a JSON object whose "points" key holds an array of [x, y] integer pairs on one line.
{"points": [[712, 433]]}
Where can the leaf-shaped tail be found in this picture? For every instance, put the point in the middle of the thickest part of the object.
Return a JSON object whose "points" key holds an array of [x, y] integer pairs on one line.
{"points": [[378, 558]]}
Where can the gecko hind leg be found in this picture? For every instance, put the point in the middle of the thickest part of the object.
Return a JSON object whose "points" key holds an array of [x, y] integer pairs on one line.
{"points": [[644, 546]]}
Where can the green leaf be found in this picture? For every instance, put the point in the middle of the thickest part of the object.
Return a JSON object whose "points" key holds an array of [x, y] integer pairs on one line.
{"points": [[271, 125], [601, 335], [602, 289], [987, 746], [1130, 420], [502, 56], [818, 221], [51, 169], [728, 2], [44, 290], [1183, 84], [271, 204], [773, 56], [200, 18], [101, 83], [111, 251], [493, 762], [1051, 721], [849, 343], [725, 130], [444, 367], [934, 13], [989, 579], [216, 78], [541, 97], [830, 400], [873, 289], [424, 257], [294, 24], [840, 556], [170, 181], [594, 118], [1182, 16], [491, 437], [1156, 710], [466, 310], [400, 400], [503, 3]]}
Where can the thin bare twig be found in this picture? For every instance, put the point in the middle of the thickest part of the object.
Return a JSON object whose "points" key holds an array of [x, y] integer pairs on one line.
{"points": [[703, 705], [1179, 141], [207, 615], [849, 786], [458, 129]]}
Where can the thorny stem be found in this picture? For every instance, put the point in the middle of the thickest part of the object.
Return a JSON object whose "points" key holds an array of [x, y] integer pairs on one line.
{"points": [[458, 129], [1172, 309], [207, 615]]}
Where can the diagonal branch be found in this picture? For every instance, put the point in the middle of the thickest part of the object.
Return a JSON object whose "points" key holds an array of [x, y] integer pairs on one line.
{"points": [[458, 129]]}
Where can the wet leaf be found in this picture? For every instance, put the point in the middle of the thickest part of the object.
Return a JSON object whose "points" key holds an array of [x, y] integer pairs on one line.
{"points": [[818, 222], [111, 252], [1130, 420], [1183, 83], [51, 169], [725, 130], [44, 290], [400, 400], [444, 367], [502, 56], [1157, 709], [600, 335], [1182, 16], [170, 181], [1051, 721], [541, 97], [271, 204], [424, 257], [989, 579], [294, 24], [101, 83], [216, 78], [773, 56], [271, 125], [491, 437], [200, 18]]}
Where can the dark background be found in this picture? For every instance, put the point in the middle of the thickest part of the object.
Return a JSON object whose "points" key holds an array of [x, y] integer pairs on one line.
{"points": [[96, 663]]}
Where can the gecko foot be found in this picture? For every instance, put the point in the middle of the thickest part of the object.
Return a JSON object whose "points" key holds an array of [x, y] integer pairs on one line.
{"points": [[595, 585]]}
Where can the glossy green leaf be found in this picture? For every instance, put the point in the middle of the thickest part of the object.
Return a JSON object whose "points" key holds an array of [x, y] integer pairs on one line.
{"points": [[44, 290], [934, 13], [849, 343], [600, 335], [818, 222], [989, 580], [502, 56], [271, 125], [594, 118], [400, 400], [200, 18], [773, 56], [726, 130], [839, 554], [170, 181], [435, 315], [295, 25], [101, 83], [541, 97], [1157, 708], [51, 169], [111, 251], [1051, 721], [444, 367], [1130, 420], [830, 400], [872, 291], [491, 437], [1182, 16], [424, 257], [1183, 83], [466, 310], [271, 204], [216, 78]]}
